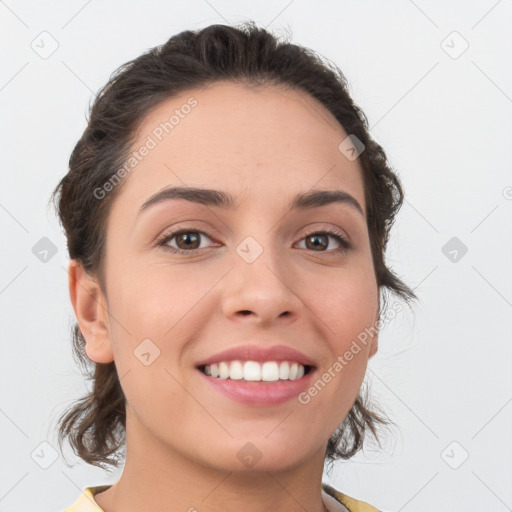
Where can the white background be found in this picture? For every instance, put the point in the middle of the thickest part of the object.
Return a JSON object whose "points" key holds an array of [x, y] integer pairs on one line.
{"points": [[443, 373]]}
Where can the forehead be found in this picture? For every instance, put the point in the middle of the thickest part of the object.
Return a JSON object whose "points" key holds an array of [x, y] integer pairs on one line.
{"points": [[268, 142]]}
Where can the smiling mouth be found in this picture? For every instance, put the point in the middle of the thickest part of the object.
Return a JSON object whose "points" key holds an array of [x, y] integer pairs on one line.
{"points": [[274, 372], [266, 384]]}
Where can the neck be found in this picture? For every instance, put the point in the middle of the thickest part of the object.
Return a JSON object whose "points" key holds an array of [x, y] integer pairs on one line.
{"points": [[161, 478]]}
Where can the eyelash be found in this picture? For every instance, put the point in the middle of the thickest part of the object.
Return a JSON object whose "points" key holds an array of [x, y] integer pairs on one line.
{"points": [[162, 241]]}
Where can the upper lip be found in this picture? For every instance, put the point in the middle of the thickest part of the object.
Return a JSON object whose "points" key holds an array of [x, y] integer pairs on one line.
{"points": [[259, 353]]}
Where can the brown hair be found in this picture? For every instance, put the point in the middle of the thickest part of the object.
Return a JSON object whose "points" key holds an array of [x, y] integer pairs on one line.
{"points": [[95, 425]]}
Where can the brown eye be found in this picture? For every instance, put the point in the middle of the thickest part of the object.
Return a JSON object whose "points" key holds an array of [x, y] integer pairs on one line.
{"points": [[185, 241], [188, 241], [317, 241], [321, 240]]}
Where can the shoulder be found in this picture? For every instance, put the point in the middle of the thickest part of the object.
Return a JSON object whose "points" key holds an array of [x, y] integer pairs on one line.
{"points": [[85, 502], [351, 504]]}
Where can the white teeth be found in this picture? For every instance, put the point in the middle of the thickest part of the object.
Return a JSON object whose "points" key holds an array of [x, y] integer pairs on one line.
{"points": [[236, 370], [223, 370], [293, 371], [284, 370], [268, 371], [252, 370]]}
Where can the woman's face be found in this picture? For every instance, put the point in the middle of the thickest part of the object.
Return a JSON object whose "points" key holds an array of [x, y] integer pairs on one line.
{"points": [[257, 272]]}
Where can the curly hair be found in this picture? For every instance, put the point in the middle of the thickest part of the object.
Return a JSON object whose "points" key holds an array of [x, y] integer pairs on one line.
{"points": [[246, 54]]}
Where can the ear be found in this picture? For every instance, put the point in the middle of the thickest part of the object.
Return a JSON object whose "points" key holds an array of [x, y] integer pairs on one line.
{"points": [[90, 306]]}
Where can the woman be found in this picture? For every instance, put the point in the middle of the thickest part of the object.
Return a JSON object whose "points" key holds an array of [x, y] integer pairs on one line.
{"points": [[227, 214]]}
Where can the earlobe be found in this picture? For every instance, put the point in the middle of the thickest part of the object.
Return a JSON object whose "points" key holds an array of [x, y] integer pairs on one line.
{"points": [[90, 308]]}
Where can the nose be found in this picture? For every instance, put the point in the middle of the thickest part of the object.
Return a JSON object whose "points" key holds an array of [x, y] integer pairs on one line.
{"points": [[260, 292]]}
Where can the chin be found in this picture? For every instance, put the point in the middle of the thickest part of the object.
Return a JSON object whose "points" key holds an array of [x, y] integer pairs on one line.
{"points": [[254, 456]]}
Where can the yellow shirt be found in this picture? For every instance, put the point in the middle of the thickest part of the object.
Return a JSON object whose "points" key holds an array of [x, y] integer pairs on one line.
{"points": [[86, 501]]}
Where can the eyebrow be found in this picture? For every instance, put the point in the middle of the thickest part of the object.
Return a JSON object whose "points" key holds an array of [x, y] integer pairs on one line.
{"points": [[225, 201]]}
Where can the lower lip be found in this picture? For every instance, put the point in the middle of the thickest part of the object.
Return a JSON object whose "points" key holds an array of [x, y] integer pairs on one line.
{"points": [[260, 393]]}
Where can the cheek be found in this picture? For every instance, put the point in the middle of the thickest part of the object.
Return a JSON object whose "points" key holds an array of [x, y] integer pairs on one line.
{"points": [[348, 312], [160, 304], [151, 299], [347, 304]]}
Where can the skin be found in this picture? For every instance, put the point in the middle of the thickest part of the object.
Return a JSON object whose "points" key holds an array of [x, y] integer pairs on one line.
{"points": [[262, 145]]}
